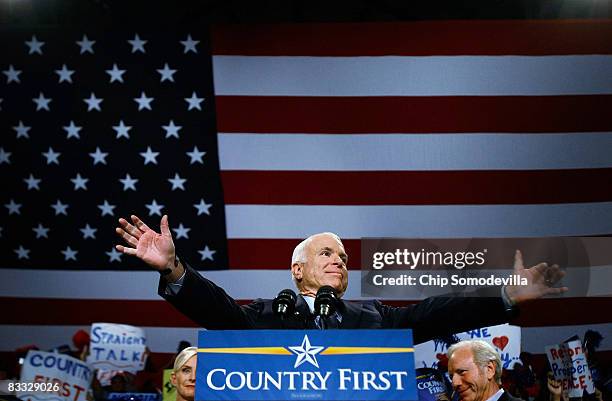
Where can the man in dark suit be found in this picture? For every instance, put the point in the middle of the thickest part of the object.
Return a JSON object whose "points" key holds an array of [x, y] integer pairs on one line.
{"points": [[475, 370], [319, 260]]}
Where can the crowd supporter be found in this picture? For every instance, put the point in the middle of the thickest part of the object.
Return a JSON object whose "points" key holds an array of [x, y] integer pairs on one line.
{"points": [[184, 374]]}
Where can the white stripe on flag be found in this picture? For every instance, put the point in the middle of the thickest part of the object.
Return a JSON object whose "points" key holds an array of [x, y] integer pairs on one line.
{"points": [[311, 152], [412, 76]]}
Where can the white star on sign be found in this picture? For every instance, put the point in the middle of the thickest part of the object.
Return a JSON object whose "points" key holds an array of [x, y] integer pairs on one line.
{"points": [[42, 102], [166, 73], [13, 208], [177, 182], [60, 208], [306, 353], [122, 130], [72, 130], [69, 254], [143, 101], [154, 208], [88, 232], [12, 75], [64, 74], [114, 255], [181, 232], [79, 182], [128, 182], [22, 253], [171, 129], [115, 74], [22, 130], [93, 103], [194, 101], [86, 45], [149, 156], [203, 207], [41, 231], [189, 44], [196, 156], [35, 45], [106, 208], [207, 253], [99, 156], [32, 182], [5, 156], [52, 156], [137, 44]]}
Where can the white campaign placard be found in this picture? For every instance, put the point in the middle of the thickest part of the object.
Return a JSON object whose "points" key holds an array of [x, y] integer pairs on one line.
{"points": [[65, 378], [506, 339], [117, 347], [569, 365]]}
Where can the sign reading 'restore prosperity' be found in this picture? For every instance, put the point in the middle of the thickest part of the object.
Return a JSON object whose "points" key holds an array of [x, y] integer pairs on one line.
{"points": [[306, 365]]}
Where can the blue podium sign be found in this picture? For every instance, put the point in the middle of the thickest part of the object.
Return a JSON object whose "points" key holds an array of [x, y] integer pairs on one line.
{"points": [[306, 365]]}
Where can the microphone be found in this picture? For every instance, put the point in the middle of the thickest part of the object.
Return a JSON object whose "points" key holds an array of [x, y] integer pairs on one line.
{"points": [[325, 301], [284, 303]]}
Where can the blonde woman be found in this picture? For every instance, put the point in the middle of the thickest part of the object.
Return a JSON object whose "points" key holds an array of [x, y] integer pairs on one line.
{"points": [[184, 374]]}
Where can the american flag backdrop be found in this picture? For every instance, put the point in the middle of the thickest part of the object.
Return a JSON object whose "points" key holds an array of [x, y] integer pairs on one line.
{"points": [[420, 129]]}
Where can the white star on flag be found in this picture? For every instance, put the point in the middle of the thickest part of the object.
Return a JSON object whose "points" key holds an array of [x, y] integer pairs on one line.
{"points": [[166, 73], [177, 182], [22, 253], [196, 156], [5, 156], [114, 255], [41, 232], [137, 44], [122, 130], [32, 182], [35, 45], [203, 207], [207, 253], [194, 101], [52, 156], [306, 353], [12, 75], [149, 156], [88, 232], [69, 254], [13, 208], [115, 74], [171, 129], [143, 101], [60, 208], [79, 182], [72, 130], [128, 182], [154, 208], [189, 45], [106, 208], [22, 130], [86, 45], [64, 74], [93, 103], [42, 102], [98, 156], [181, 232]]}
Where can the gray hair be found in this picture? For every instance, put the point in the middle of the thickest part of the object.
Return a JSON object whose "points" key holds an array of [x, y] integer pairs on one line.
{"points": [[482, 352], [299, 253], [183, 357]]}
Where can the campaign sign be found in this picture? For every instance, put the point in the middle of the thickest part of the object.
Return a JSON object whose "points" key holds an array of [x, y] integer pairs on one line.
{"points": [[305, 364], [65, 378], [569, 365], [117, 347], [506, 339]]}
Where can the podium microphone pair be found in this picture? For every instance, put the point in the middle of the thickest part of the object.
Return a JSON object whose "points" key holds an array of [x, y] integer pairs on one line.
{"points": [[324, 305]]}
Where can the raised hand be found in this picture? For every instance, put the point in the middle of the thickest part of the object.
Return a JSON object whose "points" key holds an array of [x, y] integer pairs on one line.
{"points": [[155, 249], [540, 280]]}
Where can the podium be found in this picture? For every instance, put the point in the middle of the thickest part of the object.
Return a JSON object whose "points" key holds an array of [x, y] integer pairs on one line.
{"points": [[338, 365]]}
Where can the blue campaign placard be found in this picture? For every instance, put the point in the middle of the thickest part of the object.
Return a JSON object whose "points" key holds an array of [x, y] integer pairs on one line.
{"points": [[305, 365]]}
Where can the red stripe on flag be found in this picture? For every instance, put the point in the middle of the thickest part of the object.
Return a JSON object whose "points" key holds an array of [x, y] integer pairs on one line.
{"points": [[27, 311], [396, 114], [417, 187], [416, 38]]}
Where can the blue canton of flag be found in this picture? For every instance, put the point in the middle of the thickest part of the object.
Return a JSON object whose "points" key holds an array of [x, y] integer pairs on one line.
{"points": [[96, 126]]}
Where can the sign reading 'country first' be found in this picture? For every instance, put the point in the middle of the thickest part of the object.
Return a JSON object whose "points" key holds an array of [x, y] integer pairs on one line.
{"points": [[306, 364]]}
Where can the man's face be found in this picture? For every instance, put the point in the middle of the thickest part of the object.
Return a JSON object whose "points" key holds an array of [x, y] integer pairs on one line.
{"points": [[471, 382], [184, 379], [325, 265]]}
